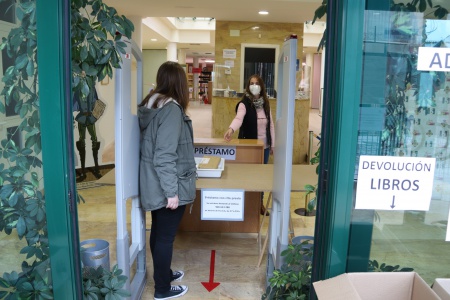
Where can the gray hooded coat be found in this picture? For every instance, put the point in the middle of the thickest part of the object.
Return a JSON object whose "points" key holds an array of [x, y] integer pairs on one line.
{"points": [[167, 165]]}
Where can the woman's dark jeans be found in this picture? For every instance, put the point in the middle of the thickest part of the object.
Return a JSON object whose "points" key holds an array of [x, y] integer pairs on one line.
{"points": [[266, 160], [164, 228]]}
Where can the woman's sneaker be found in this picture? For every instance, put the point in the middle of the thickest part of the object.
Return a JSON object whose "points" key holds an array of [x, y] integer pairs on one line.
{"points": [[174, 292], [177, 275]]}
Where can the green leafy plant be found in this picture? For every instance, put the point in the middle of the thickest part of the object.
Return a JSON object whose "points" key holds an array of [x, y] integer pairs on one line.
{"points": [[293, 280], [104, 284], [310, 205], [97, 32], [374, 266]]}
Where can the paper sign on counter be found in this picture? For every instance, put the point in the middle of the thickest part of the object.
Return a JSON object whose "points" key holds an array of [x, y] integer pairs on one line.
{"points": [[222, 205]]}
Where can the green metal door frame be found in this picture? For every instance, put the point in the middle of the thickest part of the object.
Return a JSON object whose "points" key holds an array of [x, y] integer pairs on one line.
{"points": [[342, 91], [54, 65]]}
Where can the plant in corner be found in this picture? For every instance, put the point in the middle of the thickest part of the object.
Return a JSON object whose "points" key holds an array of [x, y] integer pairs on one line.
{"points": [[310, 204], [293, 280], [97, 32], [103, 284], [374, 266]]}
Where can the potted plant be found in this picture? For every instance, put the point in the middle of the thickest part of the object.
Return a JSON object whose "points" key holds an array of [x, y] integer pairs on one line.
{"points": [[293, 280], [104, 284], [310, 204], [96, 44]]}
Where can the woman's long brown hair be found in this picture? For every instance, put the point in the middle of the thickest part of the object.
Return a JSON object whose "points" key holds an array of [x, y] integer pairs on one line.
{"points": [[171, 82]]}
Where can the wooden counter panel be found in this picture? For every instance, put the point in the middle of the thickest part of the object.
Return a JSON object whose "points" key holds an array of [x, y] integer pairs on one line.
{"points": [[258, 178], [252, 206], [233, 142], [253, 178], [247, 151]]}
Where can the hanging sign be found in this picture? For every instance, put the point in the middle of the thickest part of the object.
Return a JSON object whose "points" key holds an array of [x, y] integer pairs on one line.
{"points": [[394, 183], [229, 53], [222, 205], [229, 63], [229, 153], [433, 59]]}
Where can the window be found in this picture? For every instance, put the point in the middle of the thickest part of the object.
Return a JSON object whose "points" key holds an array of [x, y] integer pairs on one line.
{"points": [[7, 12]]}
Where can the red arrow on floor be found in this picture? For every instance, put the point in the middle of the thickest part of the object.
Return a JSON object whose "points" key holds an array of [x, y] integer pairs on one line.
{"points": [[211, 284]]}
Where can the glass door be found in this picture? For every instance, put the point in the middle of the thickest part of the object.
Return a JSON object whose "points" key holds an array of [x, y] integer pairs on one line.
{"points": [[38, 224], [404, 118], [386, 101]]}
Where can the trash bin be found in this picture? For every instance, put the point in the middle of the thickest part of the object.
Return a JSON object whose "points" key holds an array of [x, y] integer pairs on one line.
{"points": [[297, 240], [95, 253]]}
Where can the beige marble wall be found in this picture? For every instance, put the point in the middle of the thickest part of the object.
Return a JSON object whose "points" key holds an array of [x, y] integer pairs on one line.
{"points": [[267, 33], [223, 111]]}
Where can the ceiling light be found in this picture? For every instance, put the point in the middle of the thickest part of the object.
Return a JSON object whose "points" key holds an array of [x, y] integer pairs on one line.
{"points": [[209, 61], [153, 40], [255, 27], [263, 12]]}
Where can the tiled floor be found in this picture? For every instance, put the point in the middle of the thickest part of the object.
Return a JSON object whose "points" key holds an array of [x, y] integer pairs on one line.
{"points": [[236, 255]]}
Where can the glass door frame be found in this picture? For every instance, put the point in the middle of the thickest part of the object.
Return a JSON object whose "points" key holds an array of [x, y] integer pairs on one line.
{"points": [[54, 57], [340, 119]]}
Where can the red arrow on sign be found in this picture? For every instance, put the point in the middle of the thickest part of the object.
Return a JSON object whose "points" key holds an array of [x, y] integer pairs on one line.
{"points": [[211, 284]]}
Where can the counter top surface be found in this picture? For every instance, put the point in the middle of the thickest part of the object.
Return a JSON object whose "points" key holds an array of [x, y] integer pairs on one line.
{"points": [[233, 142], [249, 177], [258, 178]]}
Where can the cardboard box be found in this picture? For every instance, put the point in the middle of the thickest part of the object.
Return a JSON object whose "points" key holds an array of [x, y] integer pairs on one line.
{"points": [[209, 162], [210, 173], [375, 286], [441, 287]]}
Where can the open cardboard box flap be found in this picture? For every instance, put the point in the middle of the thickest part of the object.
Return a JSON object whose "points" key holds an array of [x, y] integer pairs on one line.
{"points": [[375, 286], [441, 287]]}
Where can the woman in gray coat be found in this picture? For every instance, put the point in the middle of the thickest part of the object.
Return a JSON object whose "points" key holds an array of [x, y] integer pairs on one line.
{"points": [[167, 170]]}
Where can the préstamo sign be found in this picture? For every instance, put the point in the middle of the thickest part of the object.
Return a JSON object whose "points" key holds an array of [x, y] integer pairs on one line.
{"points": [[222, 205], [394, 183], [433, 59], [226, 152]]}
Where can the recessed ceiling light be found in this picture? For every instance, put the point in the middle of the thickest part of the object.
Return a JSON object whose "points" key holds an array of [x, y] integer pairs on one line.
{"points": [[153, 40], [255, 27], [263, 12]]}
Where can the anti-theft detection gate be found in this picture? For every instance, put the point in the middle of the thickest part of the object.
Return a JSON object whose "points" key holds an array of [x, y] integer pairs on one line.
{"points": [[127, 135]]}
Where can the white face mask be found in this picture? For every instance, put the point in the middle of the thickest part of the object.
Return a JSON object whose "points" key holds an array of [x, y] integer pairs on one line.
{"points": [[255, 89]]}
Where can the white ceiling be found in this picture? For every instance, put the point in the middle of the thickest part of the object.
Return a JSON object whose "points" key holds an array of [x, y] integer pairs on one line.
{"points": [[284, 11]]}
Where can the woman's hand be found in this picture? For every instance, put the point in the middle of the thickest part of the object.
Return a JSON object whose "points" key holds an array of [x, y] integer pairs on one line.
{"points": [[271, 150], [227, 136], [172, 202]]}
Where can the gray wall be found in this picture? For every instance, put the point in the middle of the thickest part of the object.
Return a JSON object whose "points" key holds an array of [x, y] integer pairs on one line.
{"points": [[152, 59]]}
